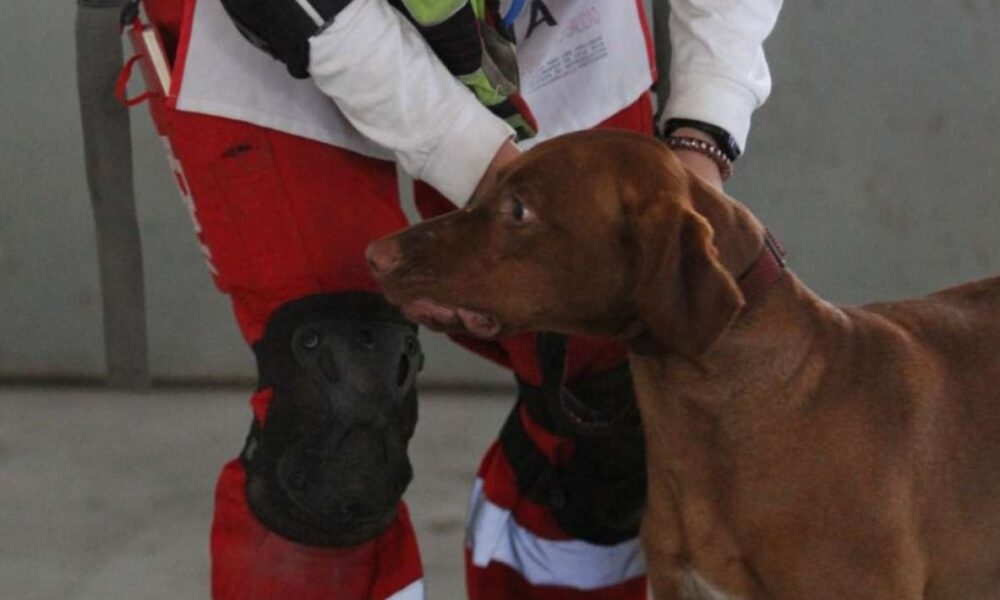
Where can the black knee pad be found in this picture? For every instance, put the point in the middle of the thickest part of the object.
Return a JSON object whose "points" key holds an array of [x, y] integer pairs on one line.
{"points": [[329, 464]]}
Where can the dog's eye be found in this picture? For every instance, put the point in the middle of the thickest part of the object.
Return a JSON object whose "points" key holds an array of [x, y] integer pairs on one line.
{"points": [[520, 212]]}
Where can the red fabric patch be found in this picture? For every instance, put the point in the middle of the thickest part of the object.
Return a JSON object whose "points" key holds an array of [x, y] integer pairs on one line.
{"points": [[283, 217], [251, 563]]}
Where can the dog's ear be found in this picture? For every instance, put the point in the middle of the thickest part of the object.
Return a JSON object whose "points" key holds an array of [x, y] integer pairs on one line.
{"points": [[684, 296]]}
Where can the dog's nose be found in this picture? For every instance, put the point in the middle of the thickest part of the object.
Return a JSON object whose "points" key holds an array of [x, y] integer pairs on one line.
{"points": [[382, 256]]}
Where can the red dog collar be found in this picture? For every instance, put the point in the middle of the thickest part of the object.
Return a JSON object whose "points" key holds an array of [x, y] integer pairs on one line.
{"points": [[765, 271], [754, 283]]}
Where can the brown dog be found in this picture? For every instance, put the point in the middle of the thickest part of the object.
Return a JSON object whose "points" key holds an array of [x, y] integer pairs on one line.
{"points": [[796, 449]]}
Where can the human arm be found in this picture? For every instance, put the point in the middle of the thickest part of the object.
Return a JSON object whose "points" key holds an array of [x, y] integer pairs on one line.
{"points": [[389, 84], [718, 72], [387, 80]]}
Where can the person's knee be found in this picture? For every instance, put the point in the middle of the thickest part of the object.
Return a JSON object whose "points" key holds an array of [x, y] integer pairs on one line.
{"points": [[329, 463]]}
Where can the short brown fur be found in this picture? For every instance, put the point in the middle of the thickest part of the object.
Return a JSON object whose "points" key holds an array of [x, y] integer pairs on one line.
{"points": [[796, 449]]}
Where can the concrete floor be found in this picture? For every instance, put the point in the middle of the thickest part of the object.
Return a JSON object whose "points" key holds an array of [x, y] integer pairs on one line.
{"points": [[107, 495]]}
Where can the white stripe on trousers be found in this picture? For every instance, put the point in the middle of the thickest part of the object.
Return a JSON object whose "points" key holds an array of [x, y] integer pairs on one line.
{"points": [[492, 534], [414, 591]]}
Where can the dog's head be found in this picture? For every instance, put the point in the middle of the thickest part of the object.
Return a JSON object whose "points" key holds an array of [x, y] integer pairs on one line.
{"points": [[590, 233]]}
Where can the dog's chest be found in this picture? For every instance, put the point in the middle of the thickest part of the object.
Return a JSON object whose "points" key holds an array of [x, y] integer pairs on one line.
{"points": [[696, 587]]}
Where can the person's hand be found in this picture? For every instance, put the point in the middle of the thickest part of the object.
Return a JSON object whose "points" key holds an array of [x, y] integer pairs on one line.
{"points": [[700, 164], [505, 155]]}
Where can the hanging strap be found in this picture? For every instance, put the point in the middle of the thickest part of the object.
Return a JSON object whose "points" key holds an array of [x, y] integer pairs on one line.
{"points": [[596, 406], [121, 84], [108, 161]]}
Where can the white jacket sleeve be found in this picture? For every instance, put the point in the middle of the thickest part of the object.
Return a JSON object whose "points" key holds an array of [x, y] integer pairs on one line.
{"points": [[718, 73], [392, 87]]}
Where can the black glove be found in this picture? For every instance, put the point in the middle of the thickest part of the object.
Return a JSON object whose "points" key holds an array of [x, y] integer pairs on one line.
{"points": [[282, 28]]}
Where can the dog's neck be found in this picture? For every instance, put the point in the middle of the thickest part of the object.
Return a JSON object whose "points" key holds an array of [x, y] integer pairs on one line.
{"points": [[765, 352], [777, 323], [745, 250], [703, 417], [704, 420]]}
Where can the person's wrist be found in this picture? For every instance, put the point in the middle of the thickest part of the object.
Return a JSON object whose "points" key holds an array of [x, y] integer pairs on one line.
{"points": [[721, 139], [691, 132], [701, 165]]}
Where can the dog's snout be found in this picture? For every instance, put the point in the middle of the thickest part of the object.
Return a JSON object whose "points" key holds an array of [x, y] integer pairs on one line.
{"points": [[383, 256]]}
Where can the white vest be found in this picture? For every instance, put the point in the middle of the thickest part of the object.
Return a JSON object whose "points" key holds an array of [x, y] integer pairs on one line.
{"points": [[583, 61]]}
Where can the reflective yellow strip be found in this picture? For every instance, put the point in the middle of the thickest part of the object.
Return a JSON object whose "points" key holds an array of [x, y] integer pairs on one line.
{"points": [[432, 12]]}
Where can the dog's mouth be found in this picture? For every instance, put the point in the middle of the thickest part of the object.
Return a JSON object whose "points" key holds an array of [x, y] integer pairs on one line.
{"points": [[451, 319]]}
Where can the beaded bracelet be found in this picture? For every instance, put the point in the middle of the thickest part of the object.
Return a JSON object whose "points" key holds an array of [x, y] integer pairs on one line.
{"points": [[702, 147]]}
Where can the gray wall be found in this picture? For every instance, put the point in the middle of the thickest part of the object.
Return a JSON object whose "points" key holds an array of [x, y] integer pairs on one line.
{"points": [[874, 161]]}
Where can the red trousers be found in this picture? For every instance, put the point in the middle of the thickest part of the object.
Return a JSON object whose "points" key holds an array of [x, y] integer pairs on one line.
{"points": [[281, 217]]}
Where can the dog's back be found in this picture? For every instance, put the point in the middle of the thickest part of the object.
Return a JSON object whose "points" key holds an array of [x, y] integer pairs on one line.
{"points": [[954, 339]]}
